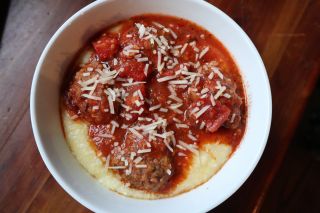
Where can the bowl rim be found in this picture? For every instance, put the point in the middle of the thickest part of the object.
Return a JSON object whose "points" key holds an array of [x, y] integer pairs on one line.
{"points": [[34, 87]]}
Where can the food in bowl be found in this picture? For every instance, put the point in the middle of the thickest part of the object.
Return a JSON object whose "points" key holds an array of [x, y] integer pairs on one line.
{"points": [[153, 106]]}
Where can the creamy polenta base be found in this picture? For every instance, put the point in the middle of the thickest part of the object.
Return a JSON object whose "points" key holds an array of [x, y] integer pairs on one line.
{"points": [[211, 158]]}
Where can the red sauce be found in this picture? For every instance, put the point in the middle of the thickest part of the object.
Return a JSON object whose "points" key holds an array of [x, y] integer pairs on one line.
{"points": [[112, 46]]}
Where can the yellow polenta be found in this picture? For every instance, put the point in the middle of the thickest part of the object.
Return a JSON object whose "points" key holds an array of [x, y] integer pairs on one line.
{"points": [[211, 158]]}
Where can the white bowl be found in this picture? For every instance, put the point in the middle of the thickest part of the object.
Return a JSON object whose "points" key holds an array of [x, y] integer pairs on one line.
{"points": [[44, 104]]}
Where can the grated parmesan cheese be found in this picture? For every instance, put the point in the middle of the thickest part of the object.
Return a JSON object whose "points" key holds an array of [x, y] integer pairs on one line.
{"points": [[203, 52], [105, 135], [183, 48], [179, 82], [202, 125], [117, 167], [91, 97], [136, 133], [152, 108], [232, 118], [133, 83], [141, 166], [180, 125], [142, 151], [219, 93], [145, 71], [166, 78], [218, 72], [203, 110], [142, 59]]}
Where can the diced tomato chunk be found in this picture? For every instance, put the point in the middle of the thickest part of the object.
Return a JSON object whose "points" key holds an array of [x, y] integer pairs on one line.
{"points": [[133, 69], [106, 46]]}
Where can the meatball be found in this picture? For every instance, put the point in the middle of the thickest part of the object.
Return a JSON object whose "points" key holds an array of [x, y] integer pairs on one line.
{"points": [[94, 111], [232, 100], [148, 171], [227, 111], [152, 178]]}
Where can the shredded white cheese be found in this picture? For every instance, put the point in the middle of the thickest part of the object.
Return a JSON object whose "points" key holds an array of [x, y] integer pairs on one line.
{"points": [[136, 133], [203, 52], [203, 110]]}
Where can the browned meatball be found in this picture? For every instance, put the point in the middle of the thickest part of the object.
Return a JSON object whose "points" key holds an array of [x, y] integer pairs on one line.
{"points": [[94, 111], [154, 177], [150, 170], [228, 105]]}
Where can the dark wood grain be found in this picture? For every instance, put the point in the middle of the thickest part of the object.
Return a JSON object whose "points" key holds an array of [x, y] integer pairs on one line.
{"points": [[30, 24], [294, 188], [285, 32], [59, 201]]}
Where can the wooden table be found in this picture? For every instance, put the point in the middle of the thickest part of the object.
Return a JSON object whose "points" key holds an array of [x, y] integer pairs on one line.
{"points": [[286, 34]]}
